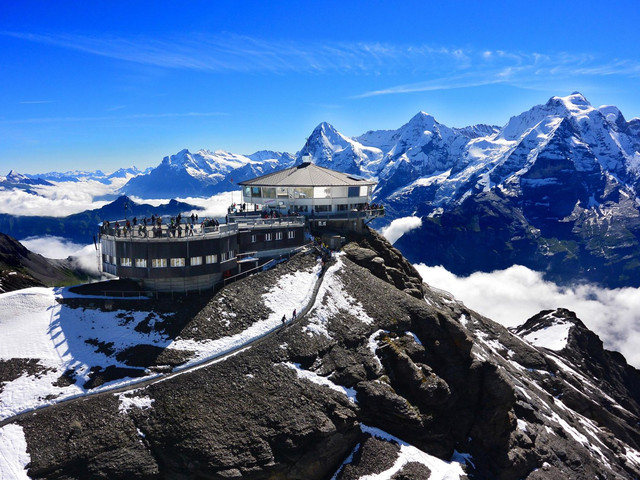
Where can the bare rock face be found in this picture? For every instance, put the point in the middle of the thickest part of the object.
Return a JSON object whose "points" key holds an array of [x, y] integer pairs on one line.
{"points": [[368, 374], [373, 252]]}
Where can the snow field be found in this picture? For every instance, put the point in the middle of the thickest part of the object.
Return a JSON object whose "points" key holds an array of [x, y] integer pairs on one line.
{"points": [[13, 453], [127, 402], [332, 300], [440, 470], [320, 380], [291, 292], [553, 337], [33, 325]]}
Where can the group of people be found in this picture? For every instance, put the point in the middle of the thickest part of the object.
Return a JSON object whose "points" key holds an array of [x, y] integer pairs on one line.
{"points": [[372, 206], [236, 208], [177, 226]]}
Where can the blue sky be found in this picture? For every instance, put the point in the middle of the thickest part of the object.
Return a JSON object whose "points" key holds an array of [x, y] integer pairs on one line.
{"points": [[107, 84]]}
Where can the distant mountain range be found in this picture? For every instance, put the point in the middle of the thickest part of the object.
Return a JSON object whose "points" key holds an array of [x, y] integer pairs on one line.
{"points": [[203, 173], [555, 189]]}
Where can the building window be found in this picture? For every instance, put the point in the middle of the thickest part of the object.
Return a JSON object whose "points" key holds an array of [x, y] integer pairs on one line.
{"points": [[253, 238], [232, 253], [195, 261], [177, 262], [159, 262], [278, 235], [125, 262], [323, 208], [112, 260], [291, 234], [343, 207], [141, 262], [267, 237], [223, 257], [211, 258], [354, 191]]}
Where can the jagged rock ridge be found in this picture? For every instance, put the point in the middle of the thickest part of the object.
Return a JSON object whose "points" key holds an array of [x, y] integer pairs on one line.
{"points": [[370, 362]]}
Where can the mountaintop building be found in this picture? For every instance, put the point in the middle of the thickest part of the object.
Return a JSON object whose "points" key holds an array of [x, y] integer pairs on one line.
{"points": [[278, 213], [308, 188]]}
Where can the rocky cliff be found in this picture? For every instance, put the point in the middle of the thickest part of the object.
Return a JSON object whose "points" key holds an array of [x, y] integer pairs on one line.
{"points": [[382, 375], [21, 268]]}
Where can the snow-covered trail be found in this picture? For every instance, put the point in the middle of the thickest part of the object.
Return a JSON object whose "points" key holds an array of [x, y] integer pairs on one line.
{"points": [[243, 342]]}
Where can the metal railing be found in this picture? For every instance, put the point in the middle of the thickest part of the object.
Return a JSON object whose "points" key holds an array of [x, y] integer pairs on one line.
{"points": [[158, 233], [346, 214], [255, 220]]}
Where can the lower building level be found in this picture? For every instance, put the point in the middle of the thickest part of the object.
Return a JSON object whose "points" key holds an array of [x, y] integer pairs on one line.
{"points": [[194, 257]]}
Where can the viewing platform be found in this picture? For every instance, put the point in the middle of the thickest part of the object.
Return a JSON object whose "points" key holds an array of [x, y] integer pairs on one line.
{"points": [[185, 232]]}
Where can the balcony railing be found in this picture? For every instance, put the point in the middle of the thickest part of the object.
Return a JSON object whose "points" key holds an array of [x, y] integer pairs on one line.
{"points": [[182, 232]]}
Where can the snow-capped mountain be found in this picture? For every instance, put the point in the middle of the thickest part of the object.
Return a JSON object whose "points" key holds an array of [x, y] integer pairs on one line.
{"points": [[96, 175], [563, 179], [428, 165], [422, 147], [15, 179], [329, 148], [566, 142], [203, 173], [555, 189]]}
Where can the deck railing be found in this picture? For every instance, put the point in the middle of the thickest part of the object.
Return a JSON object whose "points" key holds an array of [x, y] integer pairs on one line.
{"points": [[183, 232]]}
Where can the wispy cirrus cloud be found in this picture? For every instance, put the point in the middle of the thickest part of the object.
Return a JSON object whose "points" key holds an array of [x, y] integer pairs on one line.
{"points": [[134, 116], [238, 53], [441, 67], [532, 70], [35, 102]]}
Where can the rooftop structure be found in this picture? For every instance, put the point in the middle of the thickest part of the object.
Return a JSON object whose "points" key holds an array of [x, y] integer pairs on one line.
{"points": [[308, 189]]}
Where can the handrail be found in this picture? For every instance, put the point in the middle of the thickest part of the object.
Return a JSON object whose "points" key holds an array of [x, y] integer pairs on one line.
{"points": [[138, 233]]}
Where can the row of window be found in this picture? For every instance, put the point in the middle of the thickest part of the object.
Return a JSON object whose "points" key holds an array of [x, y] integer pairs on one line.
{"points": [[307, 192], [269, 236], [173, 262]]}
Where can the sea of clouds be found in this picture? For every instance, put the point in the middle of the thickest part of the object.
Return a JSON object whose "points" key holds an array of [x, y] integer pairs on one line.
{"points": [[513, 295], [59, 200], [82, 257]]}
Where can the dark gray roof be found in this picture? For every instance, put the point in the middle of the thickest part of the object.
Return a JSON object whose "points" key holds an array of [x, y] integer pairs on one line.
{"points": [[307, 175]]}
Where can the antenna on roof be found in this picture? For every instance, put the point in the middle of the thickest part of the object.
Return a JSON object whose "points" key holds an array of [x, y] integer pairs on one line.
{"points": [[306, 159]]}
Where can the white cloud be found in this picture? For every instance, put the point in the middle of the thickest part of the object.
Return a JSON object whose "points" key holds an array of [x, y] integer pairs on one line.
{"points": [[53, 247], [83, 257], [512, 296], [60, 200], [399, 227], [215, 206]]}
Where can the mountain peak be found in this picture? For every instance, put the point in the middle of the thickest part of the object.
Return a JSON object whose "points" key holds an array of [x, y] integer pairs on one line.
{"points": [[422, 117], [549, 328], [325, 128], [611, 113], [574, 104]]}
